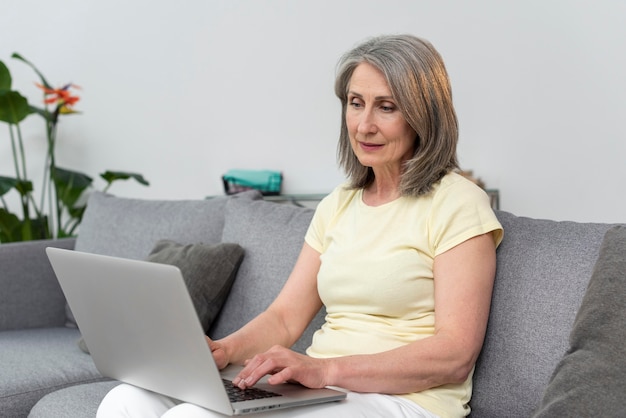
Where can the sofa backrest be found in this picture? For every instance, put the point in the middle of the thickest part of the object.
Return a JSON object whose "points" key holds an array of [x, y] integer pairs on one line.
{"points": [[30, 295], [129, 228], [272, 236], [543, 268]]}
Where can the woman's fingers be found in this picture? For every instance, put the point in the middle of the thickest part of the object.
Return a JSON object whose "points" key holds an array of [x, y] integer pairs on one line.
{"points": [[219, 354], [283, 365]]}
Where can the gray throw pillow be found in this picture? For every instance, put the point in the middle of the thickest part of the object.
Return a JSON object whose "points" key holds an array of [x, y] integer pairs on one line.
{"points": [[208, 270], [590, 380]]}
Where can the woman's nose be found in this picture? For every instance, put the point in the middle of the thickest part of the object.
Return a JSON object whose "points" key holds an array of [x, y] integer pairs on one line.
{"points": [[367, 124]]}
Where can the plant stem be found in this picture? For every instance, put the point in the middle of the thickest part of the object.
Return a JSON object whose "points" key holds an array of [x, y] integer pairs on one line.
{"points": [[22, 153], [18, 155], [52, 133], [14, 149], [45, 180], [48, 189]]}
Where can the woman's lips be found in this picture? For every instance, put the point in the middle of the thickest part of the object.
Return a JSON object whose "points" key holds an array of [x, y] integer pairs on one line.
{"points": [[367, 146]]}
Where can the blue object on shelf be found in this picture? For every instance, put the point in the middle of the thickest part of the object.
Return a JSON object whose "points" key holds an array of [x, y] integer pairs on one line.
{"points": [[268, 182]]}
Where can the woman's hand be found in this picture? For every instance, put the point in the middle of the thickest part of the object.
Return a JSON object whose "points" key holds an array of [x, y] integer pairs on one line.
{"points": [[284, 365], [219, 353]]}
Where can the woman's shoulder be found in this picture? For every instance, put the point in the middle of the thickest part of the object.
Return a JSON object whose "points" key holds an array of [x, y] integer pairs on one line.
{"points": [[454, 183], [336, 200], [460, 207], [340, 194], [454, 177], [456, 192]]}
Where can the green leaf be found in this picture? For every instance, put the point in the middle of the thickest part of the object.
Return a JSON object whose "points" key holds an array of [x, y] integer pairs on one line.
{"points": [[76, 217], [13, 107], [24, 187], [13, 229], [77, 212], [6, 184], [10, 227], [64, 234], [35, 228], [49, 116], [41, 228], [41, 77], [70, 185], [5, 77], [111, 176]]}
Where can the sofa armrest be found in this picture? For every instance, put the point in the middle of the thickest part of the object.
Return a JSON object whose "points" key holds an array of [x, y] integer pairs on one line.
{"points": [[30, 295]]}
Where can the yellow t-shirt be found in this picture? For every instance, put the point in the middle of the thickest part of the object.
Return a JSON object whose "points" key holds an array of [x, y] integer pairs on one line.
{"points": [[376, 274]]}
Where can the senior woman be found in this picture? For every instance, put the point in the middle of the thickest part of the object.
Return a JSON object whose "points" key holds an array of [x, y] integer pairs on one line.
{"points": [[402, 256]]}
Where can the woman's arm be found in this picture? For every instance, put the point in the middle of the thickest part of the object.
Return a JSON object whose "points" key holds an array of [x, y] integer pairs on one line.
{"points": [[283, 322], [463, 285]]}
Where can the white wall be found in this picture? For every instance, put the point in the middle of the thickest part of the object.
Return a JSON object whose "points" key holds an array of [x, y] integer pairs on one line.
{"points": [[183, 91]]}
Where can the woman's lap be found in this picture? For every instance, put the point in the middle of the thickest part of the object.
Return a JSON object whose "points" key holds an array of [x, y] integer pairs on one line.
{"points": [[130, 401]]}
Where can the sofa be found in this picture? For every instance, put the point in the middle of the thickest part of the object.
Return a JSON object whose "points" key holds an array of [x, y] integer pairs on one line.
{"points": [[554, 343]]}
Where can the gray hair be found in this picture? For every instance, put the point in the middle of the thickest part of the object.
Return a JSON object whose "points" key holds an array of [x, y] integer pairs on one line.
{"points": [[419, 84]]}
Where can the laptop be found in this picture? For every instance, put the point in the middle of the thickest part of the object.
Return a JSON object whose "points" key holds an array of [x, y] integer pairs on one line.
{"points": [[141, 328]]}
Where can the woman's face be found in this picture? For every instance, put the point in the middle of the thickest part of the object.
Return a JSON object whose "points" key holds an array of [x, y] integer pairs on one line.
{"points": [[380, 136]]}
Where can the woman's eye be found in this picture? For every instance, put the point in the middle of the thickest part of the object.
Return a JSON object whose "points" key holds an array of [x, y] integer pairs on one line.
{"points": [[355, 104], [387, 108]]}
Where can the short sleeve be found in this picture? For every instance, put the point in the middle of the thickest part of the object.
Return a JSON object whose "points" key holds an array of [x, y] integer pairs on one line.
{"points": [[315, 232], [324, 212], [461, 210]]}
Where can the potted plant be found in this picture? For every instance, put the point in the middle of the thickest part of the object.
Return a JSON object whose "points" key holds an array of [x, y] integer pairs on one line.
{"points": [[59, 210]]}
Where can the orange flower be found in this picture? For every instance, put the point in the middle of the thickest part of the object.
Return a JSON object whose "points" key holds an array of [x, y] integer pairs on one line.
{"points": [[61, 96]]}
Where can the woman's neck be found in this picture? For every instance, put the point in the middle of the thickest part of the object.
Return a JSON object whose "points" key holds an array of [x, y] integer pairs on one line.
{"points": [[381, 191]]}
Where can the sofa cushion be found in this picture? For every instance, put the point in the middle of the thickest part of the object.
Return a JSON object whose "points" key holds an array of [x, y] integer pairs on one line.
{"points": [[37, 362], [80, 401], [543, 268], [272, 235], [590, 380], [208, 271], [30, 295]]}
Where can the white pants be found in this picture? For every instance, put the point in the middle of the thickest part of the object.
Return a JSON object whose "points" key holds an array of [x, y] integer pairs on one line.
{"points": [[130, 401]]}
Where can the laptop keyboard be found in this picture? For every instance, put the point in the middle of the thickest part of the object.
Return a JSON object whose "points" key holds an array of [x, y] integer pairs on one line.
{"points": [[235, 394]]}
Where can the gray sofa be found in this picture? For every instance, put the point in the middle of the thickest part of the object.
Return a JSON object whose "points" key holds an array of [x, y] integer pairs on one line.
{"points": [[544, 269]]}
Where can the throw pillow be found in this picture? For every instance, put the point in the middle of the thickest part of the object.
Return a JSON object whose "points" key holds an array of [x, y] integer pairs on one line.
{"points": [[208, 270], [590, 380]]}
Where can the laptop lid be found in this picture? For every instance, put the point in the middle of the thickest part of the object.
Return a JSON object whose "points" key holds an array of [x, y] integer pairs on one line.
{"points": [[141, 328]]}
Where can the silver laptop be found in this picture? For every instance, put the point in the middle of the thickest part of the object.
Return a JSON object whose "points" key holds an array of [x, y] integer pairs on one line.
{"points": [[140, 326]]}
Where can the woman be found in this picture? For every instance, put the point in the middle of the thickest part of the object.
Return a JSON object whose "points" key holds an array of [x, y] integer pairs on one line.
{"points": [[402, 256]]}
